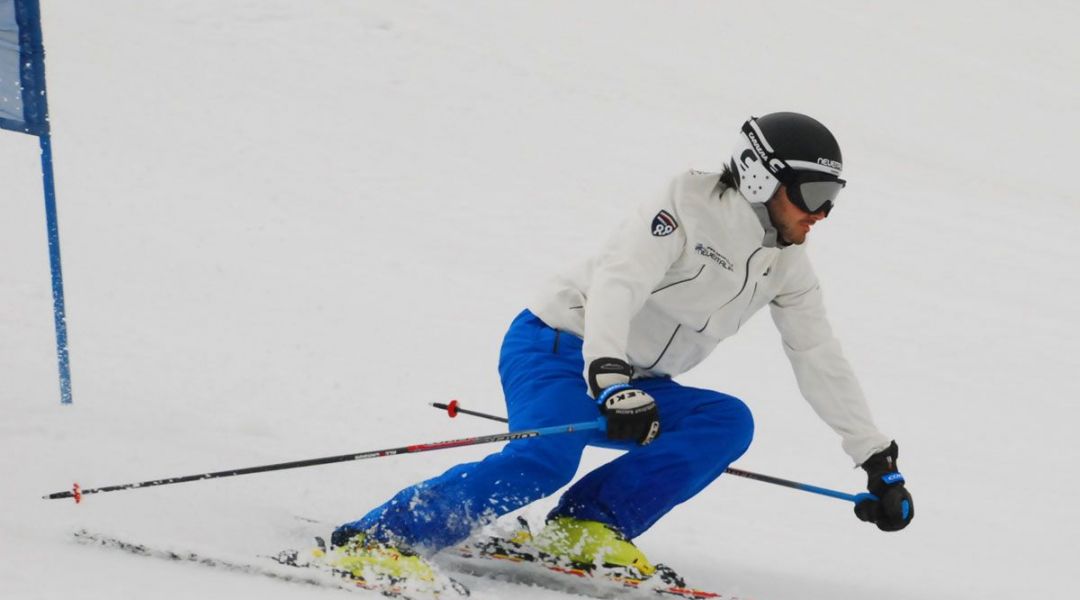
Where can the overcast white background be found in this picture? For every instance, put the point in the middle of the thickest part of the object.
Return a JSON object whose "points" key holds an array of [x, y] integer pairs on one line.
{"points": [[288, 226]]}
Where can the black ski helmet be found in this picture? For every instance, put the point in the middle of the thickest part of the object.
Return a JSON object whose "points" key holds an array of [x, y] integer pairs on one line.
{"points": [[791, 149]]}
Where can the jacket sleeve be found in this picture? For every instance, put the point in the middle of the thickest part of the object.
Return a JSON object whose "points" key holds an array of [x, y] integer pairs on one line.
{"points": [[629, 267], [824, 376]]}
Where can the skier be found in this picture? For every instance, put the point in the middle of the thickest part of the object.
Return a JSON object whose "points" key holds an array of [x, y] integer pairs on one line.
{"points": [[681, 275]]}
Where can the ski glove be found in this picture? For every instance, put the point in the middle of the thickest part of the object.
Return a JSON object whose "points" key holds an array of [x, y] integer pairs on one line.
{"points": [[893, 509], [606, 372], [631, 413]]}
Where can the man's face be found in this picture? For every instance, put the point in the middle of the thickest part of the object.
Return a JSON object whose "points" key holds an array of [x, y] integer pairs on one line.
{"points": [[790, 221]]}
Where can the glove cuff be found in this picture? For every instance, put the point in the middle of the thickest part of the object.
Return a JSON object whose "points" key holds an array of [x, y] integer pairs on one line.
{"points": [[882, 471], [883, 461], [606, 372]]}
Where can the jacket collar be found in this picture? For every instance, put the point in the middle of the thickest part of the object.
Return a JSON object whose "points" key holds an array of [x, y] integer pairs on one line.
{"points": [[770, 236]]}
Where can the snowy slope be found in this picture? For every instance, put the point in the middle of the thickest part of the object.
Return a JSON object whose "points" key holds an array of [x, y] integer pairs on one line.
{"points": [[288, 226]]}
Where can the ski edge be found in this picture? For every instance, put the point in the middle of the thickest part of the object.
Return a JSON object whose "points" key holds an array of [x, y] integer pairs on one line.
{"points": [[471, 560]]}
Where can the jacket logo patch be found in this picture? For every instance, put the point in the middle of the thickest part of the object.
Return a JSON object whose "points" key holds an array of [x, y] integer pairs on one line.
{"points": [[708, 252], [663, 224]]}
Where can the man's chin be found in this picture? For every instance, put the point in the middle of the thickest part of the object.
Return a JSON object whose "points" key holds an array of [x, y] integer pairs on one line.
{"points": [[793, 240]]}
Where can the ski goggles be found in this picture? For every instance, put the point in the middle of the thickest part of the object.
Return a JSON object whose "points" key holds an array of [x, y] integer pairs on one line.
{"points": [[814, 192]]}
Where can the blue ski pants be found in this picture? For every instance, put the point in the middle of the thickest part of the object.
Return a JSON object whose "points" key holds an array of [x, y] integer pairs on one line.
{"points": [[702, 432]]}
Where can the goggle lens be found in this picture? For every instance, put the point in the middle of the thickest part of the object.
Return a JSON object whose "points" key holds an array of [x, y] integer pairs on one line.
{"points": [[814, 195]]}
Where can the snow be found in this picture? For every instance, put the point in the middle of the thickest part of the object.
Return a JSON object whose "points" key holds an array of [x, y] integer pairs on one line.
{"points": [[289, 226]]}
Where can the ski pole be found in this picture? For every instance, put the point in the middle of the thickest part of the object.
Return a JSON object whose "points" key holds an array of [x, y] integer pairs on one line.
{"points": [[77, 492], [806, 487], [453, 410]]}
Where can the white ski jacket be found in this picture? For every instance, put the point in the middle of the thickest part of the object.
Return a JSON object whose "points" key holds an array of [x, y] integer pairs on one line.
{"points": [[686, 272]]}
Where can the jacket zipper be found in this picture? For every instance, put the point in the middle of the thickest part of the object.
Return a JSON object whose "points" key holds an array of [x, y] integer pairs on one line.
{"points": [[746, 279], [681, 281], [742, 319], [664, 351]]}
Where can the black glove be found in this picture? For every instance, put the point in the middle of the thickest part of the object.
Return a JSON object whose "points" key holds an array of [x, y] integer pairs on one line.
{"points": [[893, 509], [631, 413], [606, 372]]}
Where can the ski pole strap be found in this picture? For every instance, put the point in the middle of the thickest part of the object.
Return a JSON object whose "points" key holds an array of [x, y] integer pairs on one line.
{"points": [[610, 391]]}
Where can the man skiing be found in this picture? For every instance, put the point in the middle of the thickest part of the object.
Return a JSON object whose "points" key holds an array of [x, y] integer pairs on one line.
{"points": [[681, 275]]}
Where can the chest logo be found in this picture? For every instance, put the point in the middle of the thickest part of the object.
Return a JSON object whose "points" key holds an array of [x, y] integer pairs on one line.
{"points": [[663, 224], [710, 253]]}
